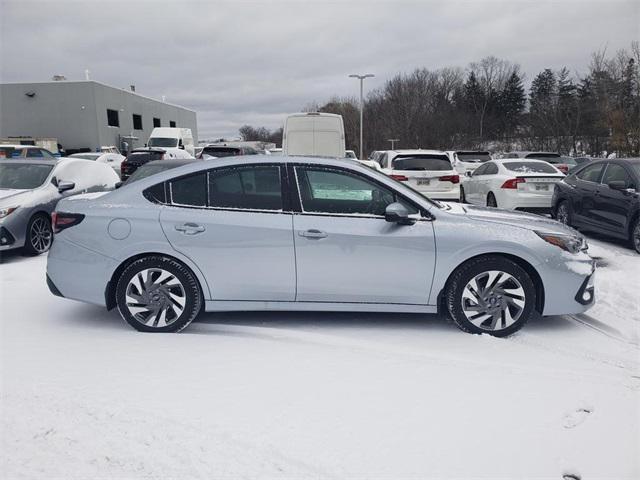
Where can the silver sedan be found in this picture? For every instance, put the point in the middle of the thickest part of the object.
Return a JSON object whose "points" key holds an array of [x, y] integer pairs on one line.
{"points": [[30, 190], [290, 233]]}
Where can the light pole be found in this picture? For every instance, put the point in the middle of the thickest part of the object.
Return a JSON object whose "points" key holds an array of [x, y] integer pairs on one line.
{"points": [[361, 77], [393, 142]]}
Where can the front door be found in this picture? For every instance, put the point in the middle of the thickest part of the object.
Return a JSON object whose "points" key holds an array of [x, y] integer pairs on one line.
{"points": [[347, 252], [233, 226], [612, 206]]}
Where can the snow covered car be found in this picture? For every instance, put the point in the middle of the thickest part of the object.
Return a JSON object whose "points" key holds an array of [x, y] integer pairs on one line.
{"points": [[114, 160], [428, 171], [512, 184], [467, 161], [29, 191], [305, 233]]}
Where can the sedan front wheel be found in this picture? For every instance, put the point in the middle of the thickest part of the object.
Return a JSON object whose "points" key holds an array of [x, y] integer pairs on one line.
{"points": [[492, 295]]}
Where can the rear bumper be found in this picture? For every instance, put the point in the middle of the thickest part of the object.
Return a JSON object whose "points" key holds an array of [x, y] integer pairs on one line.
{"points": [[453, 194]]}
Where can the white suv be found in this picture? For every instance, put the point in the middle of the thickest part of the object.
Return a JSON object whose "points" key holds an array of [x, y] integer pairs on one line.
{"points": [[428, 171]]}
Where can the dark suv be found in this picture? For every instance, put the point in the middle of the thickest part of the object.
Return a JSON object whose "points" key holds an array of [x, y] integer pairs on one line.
{"points": [[137, 158], [602, 196]]}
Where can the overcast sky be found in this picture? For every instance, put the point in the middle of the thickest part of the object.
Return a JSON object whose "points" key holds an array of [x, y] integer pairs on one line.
{"points": [[241, 62]]}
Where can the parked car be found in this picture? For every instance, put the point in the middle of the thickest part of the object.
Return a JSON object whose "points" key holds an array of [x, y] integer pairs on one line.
{"points": [[138, 157], [579, 161], [375, 155], [562, 163], [25, 151], [512, 184], [531, 154], [276, 151], [157, 166], [114, 160], [428, 171], [602, 196], [314, 134], [305, 233], [177, 142], [350, 154], [221, 151], [467, 161], [29, 191]]}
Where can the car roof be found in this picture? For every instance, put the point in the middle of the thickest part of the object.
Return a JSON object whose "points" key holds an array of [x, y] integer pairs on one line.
{"points": [[175, 162], [14, 145], [31, 161]]}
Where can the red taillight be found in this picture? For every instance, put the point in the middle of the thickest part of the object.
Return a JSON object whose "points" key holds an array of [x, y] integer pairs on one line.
{"points": [[512, 183], [400, 178], [450, 178], [61, 220], [563, 168]]}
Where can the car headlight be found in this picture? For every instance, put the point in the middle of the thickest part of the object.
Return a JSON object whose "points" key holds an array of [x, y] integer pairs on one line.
{"points": [[569, 243], [4, 211]]}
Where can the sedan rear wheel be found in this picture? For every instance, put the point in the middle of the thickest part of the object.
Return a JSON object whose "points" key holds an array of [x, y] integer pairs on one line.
{"points": [[158, 294], [491, 295], [39, 235], [635, 235]]}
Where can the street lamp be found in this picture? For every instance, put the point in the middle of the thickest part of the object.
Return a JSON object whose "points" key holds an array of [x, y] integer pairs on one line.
{"points": [[361, 77], [393, 142]]}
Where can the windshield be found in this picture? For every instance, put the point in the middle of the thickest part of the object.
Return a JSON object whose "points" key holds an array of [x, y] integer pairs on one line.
{"points": [[421, 162], [163, 142], [221, 151], [475, 157], [86, 156], [529, 167], [148, 170], [23, 176]]}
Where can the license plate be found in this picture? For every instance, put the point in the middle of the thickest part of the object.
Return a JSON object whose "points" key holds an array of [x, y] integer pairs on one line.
{"points": [[542, 187], [424, 181]]}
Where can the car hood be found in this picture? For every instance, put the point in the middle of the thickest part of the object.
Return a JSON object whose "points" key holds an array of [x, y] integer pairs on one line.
{"points": [[513, 218], [11, 194]]}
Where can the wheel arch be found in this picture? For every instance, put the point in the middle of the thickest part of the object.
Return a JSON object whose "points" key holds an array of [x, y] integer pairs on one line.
{"points": [[110, 289], [521, 262]]}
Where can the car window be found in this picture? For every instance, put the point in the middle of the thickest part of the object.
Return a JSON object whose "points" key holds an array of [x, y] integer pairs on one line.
{"points": [[341, 192], [34, 153], [46, 153], [421, 163], [190, 190], [617, 173], [590, 173], [480, 170], [490, 169], [23, 175], [382, 160], [221, 151], [529, 167], [247, 188]]}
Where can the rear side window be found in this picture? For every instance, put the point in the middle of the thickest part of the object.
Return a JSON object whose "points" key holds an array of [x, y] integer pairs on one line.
{"points": [[191, 190], [529, 167], [155, 194], [590, 173], [421, 162], [246, 188]]}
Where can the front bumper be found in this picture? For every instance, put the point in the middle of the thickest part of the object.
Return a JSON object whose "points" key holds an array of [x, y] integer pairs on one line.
{"points": [[569, 284]]}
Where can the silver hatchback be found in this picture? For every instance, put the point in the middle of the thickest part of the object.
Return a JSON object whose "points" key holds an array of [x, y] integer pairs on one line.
{"points": [[293, 233]]}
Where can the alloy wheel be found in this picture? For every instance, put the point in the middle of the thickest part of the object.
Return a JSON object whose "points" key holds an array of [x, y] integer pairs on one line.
{"points": [[493, 300], [155, 297], [40, 235]]}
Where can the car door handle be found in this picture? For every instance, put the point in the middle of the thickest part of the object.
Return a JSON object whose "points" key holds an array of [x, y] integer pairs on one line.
{"points": [[313, 233], [190, 228]]}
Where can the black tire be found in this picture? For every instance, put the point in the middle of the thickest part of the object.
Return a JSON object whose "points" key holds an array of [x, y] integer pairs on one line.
{"points": [[635, 235], [476, 269], [564, 213], [463, 199], [158, 297], [39, 235], [491, 200]]}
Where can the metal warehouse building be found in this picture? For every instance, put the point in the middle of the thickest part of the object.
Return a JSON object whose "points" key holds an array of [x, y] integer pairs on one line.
{"points": [[86, 114]]}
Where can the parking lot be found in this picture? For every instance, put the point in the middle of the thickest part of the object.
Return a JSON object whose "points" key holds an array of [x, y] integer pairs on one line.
{"points": [[318, 395]]}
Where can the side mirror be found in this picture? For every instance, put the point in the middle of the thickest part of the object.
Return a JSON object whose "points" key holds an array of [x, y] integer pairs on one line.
{"points": [[65, 186], [620, 185], [118, 184], [397, 213], [468, 173], [181, 147]]}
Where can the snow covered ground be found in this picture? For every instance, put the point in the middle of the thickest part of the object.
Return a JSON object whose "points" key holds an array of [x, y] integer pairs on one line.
{"points": [[300, 395]]}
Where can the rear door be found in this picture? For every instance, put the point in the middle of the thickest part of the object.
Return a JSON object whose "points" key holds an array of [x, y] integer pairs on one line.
{"points": [[612, 207], [586, 183], [345, 250], [235, 224], [471, 185]]}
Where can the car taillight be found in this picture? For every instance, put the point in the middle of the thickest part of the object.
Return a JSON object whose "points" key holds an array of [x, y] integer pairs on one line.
{"points": [[62, 220], [512, 183], [400, 178], [563, 168], [124, 166], [450, 178]]}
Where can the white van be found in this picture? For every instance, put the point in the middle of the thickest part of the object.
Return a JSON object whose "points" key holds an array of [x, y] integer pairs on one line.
{"points": [[177, 142], [313, 134]]}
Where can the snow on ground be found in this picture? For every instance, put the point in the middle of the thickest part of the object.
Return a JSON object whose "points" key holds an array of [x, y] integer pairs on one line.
{"points": [[317, 395]]}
